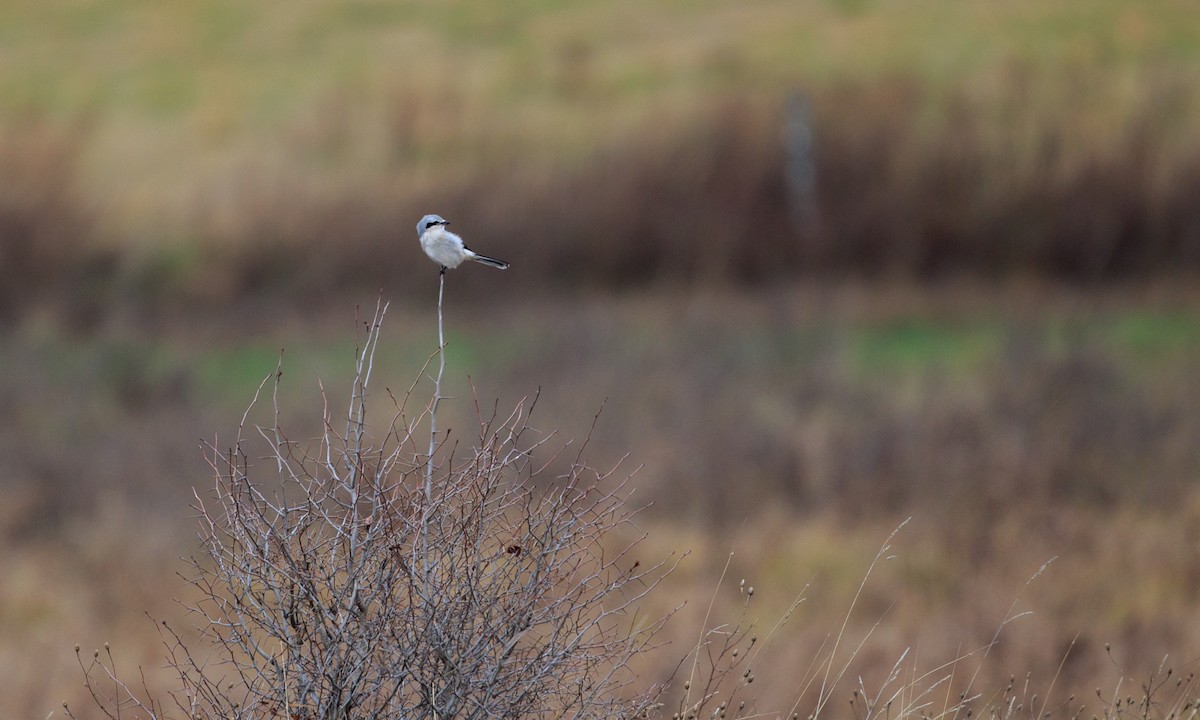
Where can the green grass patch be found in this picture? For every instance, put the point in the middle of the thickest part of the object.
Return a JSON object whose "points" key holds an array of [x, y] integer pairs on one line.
{"points": [[915, 344], [234, 372], [918, 344], [1156, 336], [231, 373]]}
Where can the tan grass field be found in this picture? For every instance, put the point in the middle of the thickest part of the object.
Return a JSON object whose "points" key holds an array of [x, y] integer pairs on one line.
{"points": [[983, 319], [189, 155], [794, 430]]}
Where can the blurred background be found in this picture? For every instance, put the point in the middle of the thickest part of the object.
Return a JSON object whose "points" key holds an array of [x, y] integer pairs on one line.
{"points": [[827, 264]]}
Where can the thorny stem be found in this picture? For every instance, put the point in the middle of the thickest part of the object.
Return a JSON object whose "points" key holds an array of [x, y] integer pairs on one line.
{"points": [[437, 396]]}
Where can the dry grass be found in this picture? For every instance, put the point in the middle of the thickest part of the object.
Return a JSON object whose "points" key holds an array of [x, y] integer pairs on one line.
{"points": [[1012, 426], [909, 183], [169, 222], [934, 621], [237, 152]]}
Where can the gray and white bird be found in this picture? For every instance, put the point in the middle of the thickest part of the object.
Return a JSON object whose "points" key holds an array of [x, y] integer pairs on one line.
{"points": [[447, 249]]}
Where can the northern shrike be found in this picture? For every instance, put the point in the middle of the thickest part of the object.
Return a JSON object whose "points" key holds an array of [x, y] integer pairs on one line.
{"points": [[447, 249]]}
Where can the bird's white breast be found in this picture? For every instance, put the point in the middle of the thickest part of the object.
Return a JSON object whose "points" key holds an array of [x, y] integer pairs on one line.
{"points": [[443, 247]]}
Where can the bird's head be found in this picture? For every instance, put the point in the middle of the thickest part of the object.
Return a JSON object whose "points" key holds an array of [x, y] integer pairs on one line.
{"points": [[430, 221]]}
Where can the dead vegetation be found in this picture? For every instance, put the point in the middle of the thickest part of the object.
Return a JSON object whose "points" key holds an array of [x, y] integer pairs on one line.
{"points": [[895, 183]]}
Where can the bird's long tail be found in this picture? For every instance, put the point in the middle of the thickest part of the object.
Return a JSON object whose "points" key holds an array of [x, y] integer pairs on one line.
{"points": [[491, 262]]}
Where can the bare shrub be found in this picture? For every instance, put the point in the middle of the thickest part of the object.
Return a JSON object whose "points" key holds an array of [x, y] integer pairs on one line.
{"points": [[333, 585]]}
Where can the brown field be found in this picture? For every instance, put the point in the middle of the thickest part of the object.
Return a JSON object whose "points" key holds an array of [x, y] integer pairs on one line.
{"points": [[794, 428], [970, 308]]}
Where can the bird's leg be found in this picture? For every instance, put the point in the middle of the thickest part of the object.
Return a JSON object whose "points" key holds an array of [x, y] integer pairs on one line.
{"points": [[443, 272]]}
